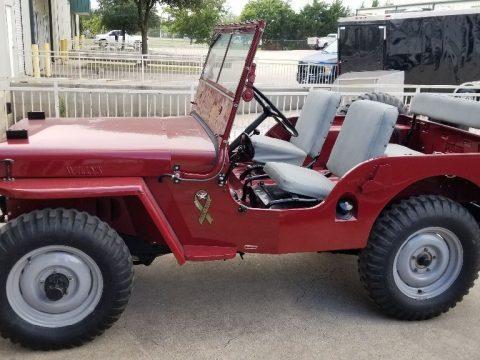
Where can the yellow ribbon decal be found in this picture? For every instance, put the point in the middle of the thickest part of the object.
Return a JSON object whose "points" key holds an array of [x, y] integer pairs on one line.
{"points": [[202, 202]]}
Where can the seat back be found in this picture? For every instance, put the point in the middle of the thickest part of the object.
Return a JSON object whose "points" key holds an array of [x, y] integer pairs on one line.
{"points": [[364, 135], [315, 120], [449, 109]]}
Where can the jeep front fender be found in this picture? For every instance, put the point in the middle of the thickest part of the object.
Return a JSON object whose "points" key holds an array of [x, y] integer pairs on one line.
{"points": [[67, 188]]}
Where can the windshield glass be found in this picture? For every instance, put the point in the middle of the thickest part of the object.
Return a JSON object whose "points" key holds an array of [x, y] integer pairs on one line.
{"points": [[332, 48], [226, 60]]}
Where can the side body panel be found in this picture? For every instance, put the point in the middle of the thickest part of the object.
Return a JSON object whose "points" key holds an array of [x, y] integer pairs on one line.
{"points": [[373, 185]]}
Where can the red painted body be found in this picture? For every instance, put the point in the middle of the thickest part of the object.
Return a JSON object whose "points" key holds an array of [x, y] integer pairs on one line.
{"points": [[123, 171]]}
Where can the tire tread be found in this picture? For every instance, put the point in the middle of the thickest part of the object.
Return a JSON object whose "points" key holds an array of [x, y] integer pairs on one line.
{"points": [[371, 261], [107, 239]]}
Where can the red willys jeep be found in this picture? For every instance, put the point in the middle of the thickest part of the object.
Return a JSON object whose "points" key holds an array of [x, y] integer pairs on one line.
{"points": [[84, 199]]}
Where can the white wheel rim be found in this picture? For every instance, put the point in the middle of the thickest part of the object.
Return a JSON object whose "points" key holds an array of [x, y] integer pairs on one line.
{"points": [[54, 286], [428, 263]]}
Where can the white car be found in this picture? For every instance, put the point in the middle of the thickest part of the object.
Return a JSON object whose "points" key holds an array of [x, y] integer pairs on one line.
{"points": [[115, 36], [321, 42]]}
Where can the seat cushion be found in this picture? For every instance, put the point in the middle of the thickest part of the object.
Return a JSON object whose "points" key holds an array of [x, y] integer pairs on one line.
{"points": [[450, 109], [365, 133], [315, 120], [299, 180], [272, 149], [400, 150]]}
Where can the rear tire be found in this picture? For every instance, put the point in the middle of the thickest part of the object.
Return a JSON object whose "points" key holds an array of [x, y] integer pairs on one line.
{"points": [[65, 277], [422, 257]]}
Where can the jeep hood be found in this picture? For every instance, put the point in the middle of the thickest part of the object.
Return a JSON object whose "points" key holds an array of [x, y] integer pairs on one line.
{"points": [[109, 147]]}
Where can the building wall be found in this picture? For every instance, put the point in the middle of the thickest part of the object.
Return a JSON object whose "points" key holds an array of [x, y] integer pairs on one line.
{"points": [[41, 22], [4, 45], [18, 51], [61, 27], [12, 38], [61, 22]]}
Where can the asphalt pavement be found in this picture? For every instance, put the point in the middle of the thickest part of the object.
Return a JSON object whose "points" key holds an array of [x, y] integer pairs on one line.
{"points": [[302, 306]]}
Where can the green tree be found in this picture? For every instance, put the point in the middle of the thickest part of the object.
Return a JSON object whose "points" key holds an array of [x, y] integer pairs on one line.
{"points": [[119, 15], [313, 19], [320, 18], [197, 23], [335, 11], [375, 3], [123, 15], [281, 19], [145, 8], [141, 15], [91, 25]]}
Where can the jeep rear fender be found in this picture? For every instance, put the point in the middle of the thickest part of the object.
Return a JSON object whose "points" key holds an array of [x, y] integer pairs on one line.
{"points": [[68, 188]]}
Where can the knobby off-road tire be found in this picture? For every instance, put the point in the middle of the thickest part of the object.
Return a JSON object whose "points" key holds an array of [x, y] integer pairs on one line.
{"points": [[65, 277], [378, 97], [422, 257]]}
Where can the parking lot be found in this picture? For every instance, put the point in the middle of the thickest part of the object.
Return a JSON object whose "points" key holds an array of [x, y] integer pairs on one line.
{"points": [[308, 306]]}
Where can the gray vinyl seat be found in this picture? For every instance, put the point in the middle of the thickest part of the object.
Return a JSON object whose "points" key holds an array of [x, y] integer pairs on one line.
{"points": [[400, 150], [449, 109], [313, 126], [365, 134]]}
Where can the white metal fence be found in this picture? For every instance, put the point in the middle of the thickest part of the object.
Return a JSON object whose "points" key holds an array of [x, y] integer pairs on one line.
{"points": [[62, 101], [168, 69]]}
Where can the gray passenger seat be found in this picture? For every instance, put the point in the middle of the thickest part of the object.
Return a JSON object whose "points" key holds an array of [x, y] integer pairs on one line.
{"points": [[448, 109], [365, 134], [453, 110], [313, 126]]}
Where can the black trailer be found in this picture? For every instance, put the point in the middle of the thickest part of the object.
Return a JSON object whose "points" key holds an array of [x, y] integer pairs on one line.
{"points": [[432, 47]]}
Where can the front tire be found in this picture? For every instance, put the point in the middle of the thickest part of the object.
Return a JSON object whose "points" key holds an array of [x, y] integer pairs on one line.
{"points": [[422, 257], [65, 277]]}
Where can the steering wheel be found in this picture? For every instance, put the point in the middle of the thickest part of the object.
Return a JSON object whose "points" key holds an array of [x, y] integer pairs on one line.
{"points": [[271, 110]]}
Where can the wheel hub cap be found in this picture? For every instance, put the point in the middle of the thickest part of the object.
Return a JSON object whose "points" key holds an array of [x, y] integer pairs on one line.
{"points": [[54, 286], [424, 260], [428, 262]]}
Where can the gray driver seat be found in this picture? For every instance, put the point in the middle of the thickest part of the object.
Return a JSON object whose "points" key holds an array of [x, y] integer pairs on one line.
{"points": [[313, 126], [364, 135]]}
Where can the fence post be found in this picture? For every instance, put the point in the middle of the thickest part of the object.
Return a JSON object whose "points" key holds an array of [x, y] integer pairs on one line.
{"points": [[79, 61], [3, 108], [64, 50], [56, 99], [143, 68], [192, 95], [47, 58], [35, 61]]}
